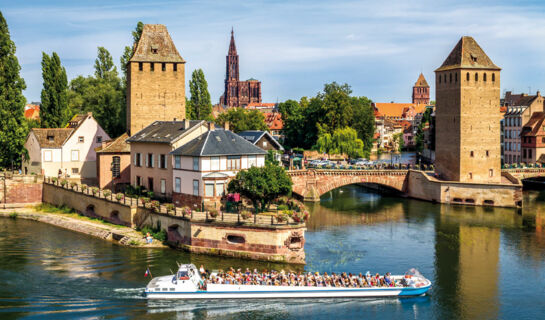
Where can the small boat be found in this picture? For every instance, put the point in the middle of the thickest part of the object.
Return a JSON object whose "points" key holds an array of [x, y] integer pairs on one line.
{"points": [[188, 284]]}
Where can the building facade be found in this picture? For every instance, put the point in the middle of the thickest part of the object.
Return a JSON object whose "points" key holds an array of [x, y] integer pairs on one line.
{"points": [[114, 163], [421, 91], [238, 93], [533, 138], [156, 80], [468, 116]]}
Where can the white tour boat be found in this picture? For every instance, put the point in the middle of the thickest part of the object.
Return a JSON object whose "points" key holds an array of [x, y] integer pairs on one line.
{"points": [[188, 284]]}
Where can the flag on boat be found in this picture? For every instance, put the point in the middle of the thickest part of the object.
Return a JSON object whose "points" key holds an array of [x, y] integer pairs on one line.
{"points": [[148, 273]]}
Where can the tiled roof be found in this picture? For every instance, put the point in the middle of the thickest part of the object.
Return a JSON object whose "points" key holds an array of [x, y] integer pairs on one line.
{"points": [[273, 120], [260, 105], [33, 113], [118, 145], [218, 143], [467, 54], [165, 131], [52, 137], [533, 126], [254, 135], [396, 109], [155, 45], [421, 82]]}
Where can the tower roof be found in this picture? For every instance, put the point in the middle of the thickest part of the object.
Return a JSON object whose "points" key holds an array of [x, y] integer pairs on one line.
{"points": [[155, 45], [467, 54], [421, 82], [232, 47]]}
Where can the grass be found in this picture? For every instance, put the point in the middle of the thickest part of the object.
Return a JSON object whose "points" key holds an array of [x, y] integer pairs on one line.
{"points": [[134, 243], [67, 211], [156, 233], [13, 215]]}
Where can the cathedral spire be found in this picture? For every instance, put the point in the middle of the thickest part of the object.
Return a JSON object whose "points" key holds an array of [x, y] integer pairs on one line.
{"points": [[232, 47]]}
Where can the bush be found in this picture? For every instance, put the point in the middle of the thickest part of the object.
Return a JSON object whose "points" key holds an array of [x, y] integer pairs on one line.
{"points": [[281, 217], [213, 213], [282, 207], [155, 205], [119, 196], [169, 207], [300, 216], [13, 215], [73, 185], [94, 191], [64, 183], [106, 193], [186, 211], [156, 233], [144, 200], [246, 214], [54, 180], [83, 187]]}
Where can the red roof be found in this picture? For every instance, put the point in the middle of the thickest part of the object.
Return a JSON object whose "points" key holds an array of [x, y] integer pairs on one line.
{"points": [[274, 120], [260, 105], [32, 111]]}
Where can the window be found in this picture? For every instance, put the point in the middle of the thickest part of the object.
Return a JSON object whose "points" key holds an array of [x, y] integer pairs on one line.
{"points": [[219, 189], [467, 76], [177, 162], [264, 144], [530, 153], [150, 183], [493, 77], [252, 161], [195, 187], [542, 140], [439, 78], [152, 66], [116, 167], [138, 159], [455, 77], [163, 186], [476, 76], [233, 162], [484, 77], [214, 163], [163, 66], [470, 176], [140, 66], [471, 154], [150, 160], [75, 171], [450, 77], [209, 189], [50, 138], [138, 181], [162, 161], [81, 139], [74, 155], [99, 139], [445, 78], [490, 172], [175, 67], [196, 163], [178, 185], [487, 153], [47, 155], [154, 50]]}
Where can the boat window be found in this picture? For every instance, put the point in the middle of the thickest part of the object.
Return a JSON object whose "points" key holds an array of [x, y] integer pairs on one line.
{"points": [[165, 289], [183, 275], [171, 289]]}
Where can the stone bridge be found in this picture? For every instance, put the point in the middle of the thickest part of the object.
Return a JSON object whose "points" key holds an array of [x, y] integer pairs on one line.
{"points": [[312, 183], [525, 173]]}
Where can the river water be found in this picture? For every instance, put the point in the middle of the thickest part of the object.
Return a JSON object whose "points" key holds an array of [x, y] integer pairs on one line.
{"points": [[484, 264]]}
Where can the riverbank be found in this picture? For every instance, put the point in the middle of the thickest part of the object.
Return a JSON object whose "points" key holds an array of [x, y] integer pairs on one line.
{"points": [[93, 227]]}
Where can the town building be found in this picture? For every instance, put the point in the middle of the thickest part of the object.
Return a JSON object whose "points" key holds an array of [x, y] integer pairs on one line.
{"points": [[533, 138], [238, 93], [467, 116], [114, 163], [519, 109], [32, 111], [69, 151], [156, 80], [421, 91], [204, 166], [151, 166], [264, 140], [274, 122], [264, 107]]}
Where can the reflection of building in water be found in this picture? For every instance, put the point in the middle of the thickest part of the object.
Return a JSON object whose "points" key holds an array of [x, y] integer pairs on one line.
{"points": [[478, 272]]}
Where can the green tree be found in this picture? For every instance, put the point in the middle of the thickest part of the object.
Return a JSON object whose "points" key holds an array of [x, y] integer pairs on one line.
{"points": [[54, 111], [13, 129], [364, 121], [261, 185], [128, 51], [292, 117], [419, 139], [342, 141], [241, 120], [201, 107], [399, 143], [104, 65]]}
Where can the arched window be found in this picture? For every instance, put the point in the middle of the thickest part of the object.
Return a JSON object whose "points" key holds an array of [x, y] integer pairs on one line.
{"points": [[445, 78], [450, 77], [116, 167], [455, 77], [484, 77], [439, 78], [493, 77], [476, 76], [467, 76]]}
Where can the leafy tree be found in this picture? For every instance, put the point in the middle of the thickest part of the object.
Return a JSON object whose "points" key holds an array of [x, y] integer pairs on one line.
{"points": [[13, 129], [54, 111], [261, 185], [398, 141], [293, 116], [241, 120], [104, 65], [364, 121], [419, 139], [201, 107], [271, 157], [342, 141], [128, 51]]}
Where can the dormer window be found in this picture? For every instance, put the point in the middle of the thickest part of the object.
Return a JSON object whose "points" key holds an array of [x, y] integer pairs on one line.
{"points": [[154, 49], [80, 139], [473, 58], [50, 138]]}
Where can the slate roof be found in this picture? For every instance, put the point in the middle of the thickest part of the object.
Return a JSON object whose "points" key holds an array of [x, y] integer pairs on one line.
{"points": [[421, 82], [165, 131], [58, 136], [118, 145], [467, 54], [218, 143], [156, 37], [253, 136]]}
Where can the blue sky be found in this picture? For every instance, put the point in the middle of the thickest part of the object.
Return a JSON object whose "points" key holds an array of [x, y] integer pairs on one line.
{"points": [[293, 47]]}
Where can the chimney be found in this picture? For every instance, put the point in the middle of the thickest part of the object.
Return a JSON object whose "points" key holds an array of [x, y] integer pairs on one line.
{"points": [[186, 124], [226, 125], [211, 126]]}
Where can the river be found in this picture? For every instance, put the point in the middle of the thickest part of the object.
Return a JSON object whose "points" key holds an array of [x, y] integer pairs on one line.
{"points": [[484, 264]]}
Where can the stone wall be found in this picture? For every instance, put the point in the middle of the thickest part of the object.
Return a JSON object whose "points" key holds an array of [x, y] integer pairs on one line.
{"points": [[422, 186], [21, 190]]}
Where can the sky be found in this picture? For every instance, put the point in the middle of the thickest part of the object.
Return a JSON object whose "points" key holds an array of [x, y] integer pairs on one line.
{"points": [[293, 47]]}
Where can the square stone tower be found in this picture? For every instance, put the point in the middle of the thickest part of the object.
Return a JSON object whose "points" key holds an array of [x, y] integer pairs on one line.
{"points": [[468, 116], [155, 80]]}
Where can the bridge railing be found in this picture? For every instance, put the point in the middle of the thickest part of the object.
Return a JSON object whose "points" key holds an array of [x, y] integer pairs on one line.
{"points": [[398, 166]]}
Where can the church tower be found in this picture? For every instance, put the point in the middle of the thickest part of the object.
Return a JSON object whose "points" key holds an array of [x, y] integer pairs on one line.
{"points": [[231, 75], [155, 80], [468, 116], [421, 91]]}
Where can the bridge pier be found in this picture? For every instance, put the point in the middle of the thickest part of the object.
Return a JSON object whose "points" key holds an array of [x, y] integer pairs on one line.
{"points": [[311, 195]]}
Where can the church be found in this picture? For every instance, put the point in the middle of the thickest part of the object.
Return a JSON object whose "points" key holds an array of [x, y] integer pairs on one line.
{"points": [[238, 93]]}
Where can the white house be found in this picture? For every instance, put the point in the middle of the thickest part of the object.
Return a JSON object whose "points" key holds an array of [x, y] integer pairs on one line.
{"points": [[69, 150], [203, 166]]}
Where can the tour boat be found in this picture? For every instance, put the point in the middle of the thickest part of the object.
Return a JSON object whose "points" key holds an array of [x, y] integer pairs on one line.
{"points": [[188, 284]]}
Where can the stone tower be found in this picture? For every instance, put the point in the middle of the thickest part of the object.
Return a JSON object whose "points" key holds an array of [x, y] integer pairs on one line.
{"points": [[421, 91], [231, 75], [468, 116], [155, 80]]}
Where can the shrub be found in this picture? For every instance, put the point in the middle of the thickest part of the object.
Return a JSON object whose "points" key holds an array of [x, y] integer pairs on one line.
{"points": [[246, 214], [300, 216], [144, 200], [64, 183], [156, 233], [150, 194], [73, 185], [282, 207], [94, 191], [106, 193], [13, 215], [213, 213], [169, 207], [155, 205], [119, 196], [281, 217], [186, 211], [83, 187], [54, 180]]}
